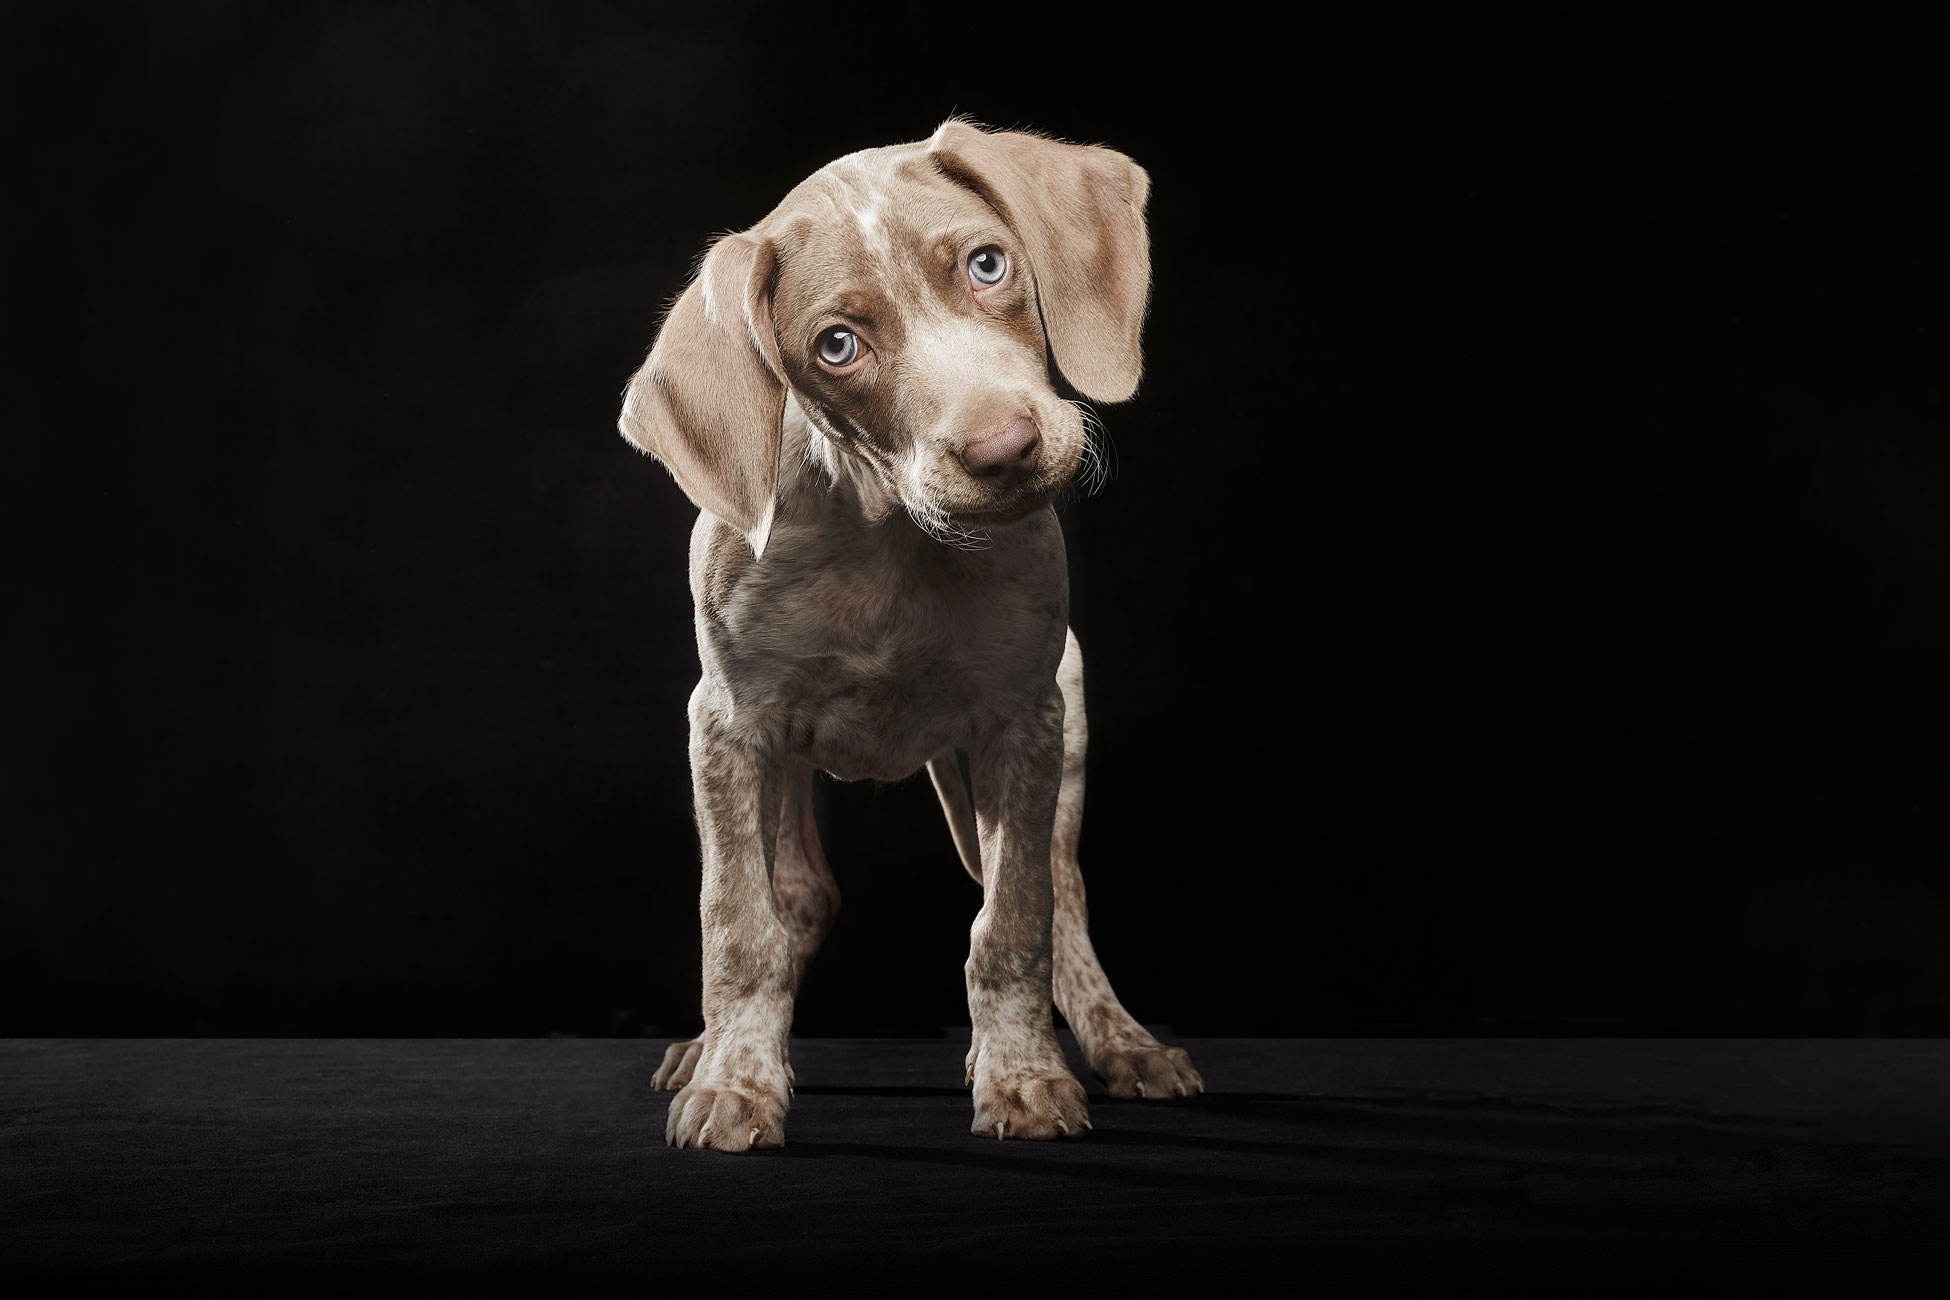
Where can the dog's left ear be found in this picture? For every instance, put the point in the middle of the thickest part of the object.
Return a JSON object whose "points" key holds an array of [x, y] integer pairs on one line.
{"points": [[710, 400], [1079, 210]]}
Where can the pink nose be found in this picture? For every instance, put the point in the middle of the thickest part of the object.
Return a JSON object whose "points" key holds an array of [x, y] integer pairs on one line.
{"points": [[1010, 453]]}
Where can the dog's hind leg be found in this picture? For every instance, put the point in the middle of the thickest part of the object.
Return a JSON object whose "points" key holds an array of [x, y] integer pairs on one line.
{"points": [[1121, 1052], [804, 895], [951, 785]]}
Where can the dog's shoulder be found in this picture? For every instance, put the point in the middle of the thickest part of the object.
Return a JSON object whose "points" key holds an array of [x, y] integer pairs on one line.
{"points": [[720, 560]]}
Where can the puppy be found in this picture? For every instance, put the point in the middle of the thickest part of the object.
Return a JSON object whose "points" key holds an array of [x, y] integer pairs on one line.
{"points": [[857, 394]]}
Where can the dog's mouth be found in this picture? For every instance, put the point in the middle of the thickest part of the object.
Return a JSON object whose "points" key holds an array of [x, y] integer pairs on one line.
{"points": [[966, 502], [1006, 508]]}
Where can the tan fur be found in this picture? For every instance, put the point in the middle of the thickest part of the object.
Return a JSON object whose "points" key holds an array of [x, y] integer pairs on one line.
{"points": [[867, 604]]}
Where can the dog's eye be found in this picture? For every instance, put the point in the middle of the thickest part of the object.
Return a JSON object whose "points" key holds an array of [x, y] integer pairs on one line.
{"points": [[839, 347], [988, 266]]}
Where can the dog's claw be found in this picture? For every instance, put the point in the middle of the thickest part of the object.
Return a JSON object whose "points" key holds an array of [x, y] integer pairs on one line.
{"points": [[1140, 1088], [998, 1130], [754, 1138], [1062, 1128]]}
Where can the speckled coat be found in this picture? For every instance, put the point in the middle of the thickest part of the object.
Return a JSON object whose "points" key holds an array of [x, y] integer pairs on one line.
{"points": [[856, 393]]}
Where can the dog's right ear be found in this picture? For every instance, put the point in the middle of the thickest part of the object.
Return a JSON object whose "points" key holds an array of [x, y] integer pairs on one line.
{"points": [[710, 400]]}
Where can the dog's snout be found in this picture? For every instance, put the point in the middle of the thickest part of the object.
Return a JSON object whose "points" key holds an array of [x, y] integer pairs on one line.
{"points": [[1008, 453]]}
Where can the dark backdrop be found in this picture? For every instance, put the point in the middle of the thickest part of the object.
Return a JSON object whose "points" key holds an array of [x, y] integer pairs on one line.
{"points": [[1521, 605]]}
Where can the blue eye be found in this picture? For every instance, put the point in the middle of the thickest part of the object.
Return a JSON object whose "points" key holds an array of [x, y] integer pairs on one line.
{"points": [[838, 347], [988, 266]]}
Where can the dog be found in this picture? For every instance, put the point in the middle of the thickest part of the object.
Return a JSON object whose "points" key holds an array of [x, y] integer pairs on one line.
{"points": [[856, 392]]}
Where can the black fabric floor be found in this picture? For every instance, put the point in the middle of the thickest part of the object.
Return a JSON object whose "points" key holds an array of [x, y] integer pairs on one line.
{"points": [[1581, 1161]]}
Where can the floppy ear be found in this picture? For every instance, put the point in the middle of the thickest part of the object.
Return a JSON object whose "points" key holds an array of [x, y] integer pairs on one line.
{"points": [[709, 402], [1079, 210]]}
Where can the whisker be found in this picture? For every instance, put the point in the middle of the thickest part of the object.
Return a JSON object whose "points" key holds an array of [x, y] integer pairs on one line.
{"points": [[1099, 451]]}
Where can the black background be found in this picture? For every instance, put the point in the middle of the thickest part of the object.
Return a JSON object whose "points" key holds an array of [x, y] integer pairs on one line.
{"points": [[1523, 604]]}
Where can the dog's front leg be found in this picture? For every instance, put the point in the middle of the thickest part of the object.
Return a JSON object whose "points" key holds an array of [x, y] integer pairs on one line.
{"points": [[736, 1098], [1022, 1086]]}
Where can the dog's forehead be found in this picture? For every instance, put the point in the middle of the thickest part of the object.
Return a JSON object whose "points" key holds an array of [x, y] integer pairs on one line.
{"points": [[857, 208]]}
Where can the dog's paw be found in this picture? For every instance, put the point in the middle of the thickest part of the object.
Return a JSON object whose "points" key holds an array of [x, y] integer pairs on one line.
{"points": [[1148, 1070], [1038, 1103], [723, 1117], [680, 1062]]}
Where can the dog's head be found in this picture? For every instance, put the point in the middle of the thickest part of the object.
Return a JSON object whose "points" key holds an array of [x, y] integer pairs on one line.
{"points": [[909, 299]]}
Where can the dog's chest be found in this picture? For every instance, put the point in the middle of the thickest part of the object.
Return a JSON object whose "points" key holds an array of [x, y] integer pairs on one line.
{"points": [[870, 662]]}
